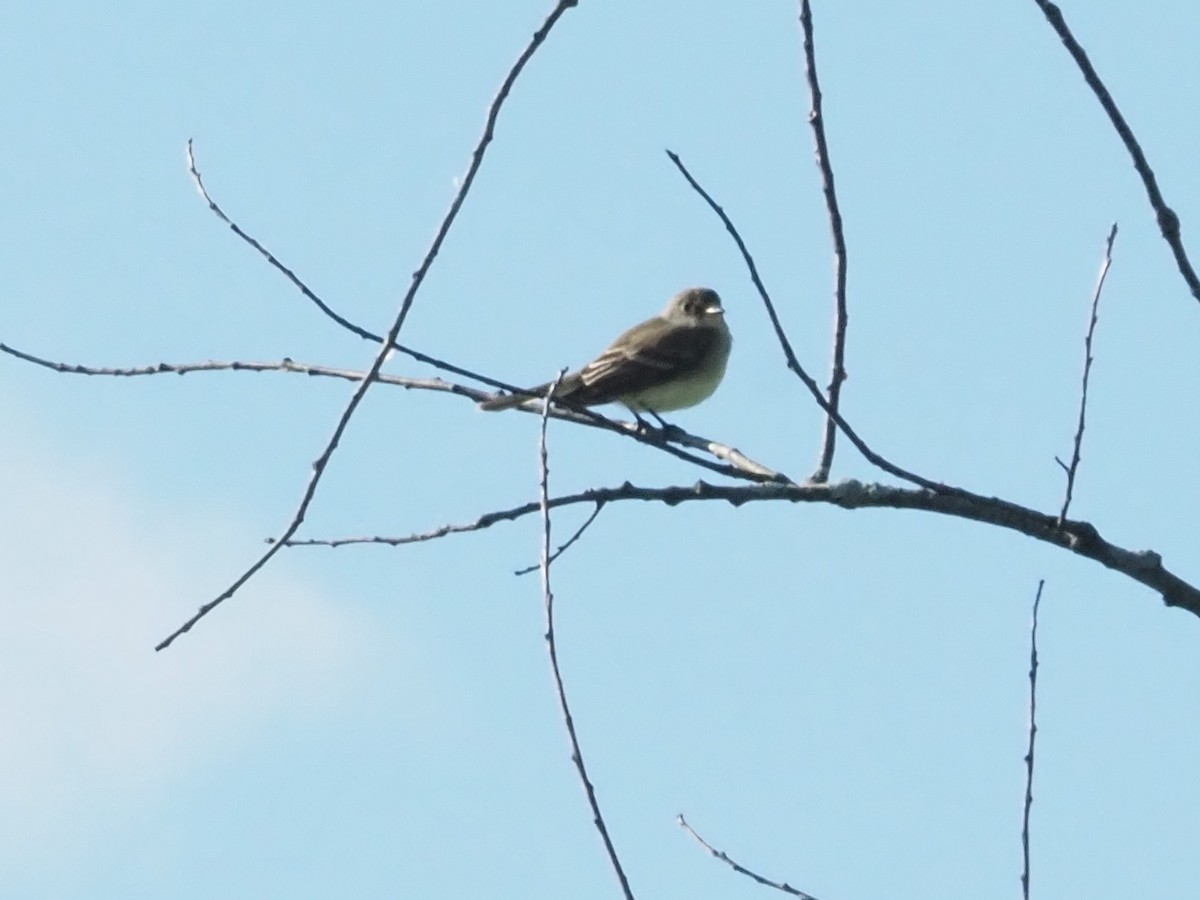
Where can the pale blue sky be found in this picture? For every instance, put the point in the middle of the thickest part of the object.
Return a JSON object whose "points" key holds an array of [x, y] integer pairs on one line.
{"points": [[837, 699]]}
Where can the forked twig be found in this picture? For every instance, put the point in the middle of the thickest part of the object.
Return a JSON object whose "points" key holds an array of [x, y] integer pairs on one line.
{"points": [[418, 278], [1168, 221], [738, 867], [312, 295], [552, 646], [790, 356], [1033, 670], [816, 119], [587, 523], [1087, 371]]}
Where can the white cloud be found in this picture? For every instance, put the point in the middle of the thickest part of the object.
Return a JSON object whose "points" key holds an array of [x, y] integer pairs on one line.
{"points": [[89, 582]]}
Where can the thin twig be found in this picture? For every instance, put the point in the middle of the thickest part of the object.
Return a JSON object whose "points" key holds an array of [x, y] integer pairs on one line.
{"points": [[790, 356], [737, 464], [1168, 221], [1082, 538], [418, 278], [312, 295], [552, 646], [563, 549], [1087, 371], [816, 119], [286, 365], [738, 867], [1033, 670], [732, 455]]}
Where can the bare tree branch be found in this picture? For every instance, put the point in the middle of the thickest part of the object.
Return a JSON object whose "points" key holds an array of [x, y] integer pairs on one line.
{"points": [[1168, 221], [1082, 538], [587, 523], [738, 867], [1087, 371], [738, 465], [418, 278], [308, 292], [816, 119], [1033, 670], [789, 354], [552, 646], [732, 455], [286, 364], [792, 362]]}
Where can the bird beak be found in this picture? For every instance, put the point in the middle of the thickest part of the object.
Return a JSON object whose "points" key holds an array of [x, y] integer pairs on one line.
{"points": [[714, 310]]}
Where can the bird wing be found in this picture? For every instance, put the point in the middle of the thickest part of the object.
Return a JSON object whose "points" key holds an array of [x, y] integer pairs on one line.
{"points": [[661, 352]]}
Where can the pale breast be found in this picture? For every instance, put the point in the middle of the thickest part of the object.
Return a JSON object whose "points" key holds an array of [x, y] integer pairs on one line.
{"points": [[685, 392]]}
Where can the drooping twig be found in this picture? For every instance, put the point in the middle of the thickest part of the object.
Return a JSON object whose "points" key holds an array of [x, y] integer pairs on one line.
{"points": [[418, 278], [738, 867], [312, 295], [816, 120], [790, 356], [1168, 221], [571, 540], [552, 646], [1033, 670], [1087, 371], [1082, 538], [737, 464]]}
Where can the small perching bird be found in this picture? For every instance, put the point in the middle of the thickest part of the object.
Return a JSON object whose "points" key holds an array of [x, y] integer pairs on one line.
{"points": [[672, 361]]}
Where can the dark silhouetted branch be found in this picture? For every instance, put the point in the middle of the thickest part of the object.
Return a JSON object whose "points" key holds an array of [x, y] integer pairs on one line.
{"points": [[552, 645], [790, 356], [816, 120], [418, 278], [1168, 221], [738, 867], [736, 464], [1082, 538], [312, 295], [1028, 805], [587, 523], [1073, 468]]}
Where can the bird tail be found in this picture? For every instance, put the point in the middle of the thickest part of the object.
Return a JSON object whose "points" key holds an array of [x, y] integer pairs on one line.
{"points": [[568, 389], [508, 401]]}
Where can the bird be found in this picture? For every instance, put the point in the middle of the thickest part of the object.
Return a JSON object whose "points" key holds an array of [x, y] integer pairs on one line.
{"points": [[669, 362]]}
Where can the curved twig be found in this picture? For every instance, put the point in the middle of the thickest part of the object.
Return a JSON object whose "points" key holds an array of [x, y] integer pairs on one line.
{"points": [[1168, 221], [312, 295], [789, 354], [418, 278], [816, 120], [552, 645], [1073, 468], [738, 867], [587, 523]]}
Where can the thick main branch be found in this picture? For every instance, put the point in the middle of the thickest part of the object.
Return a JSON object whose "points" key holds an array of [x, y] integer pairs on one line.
{"points": [[1082, 538]]}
